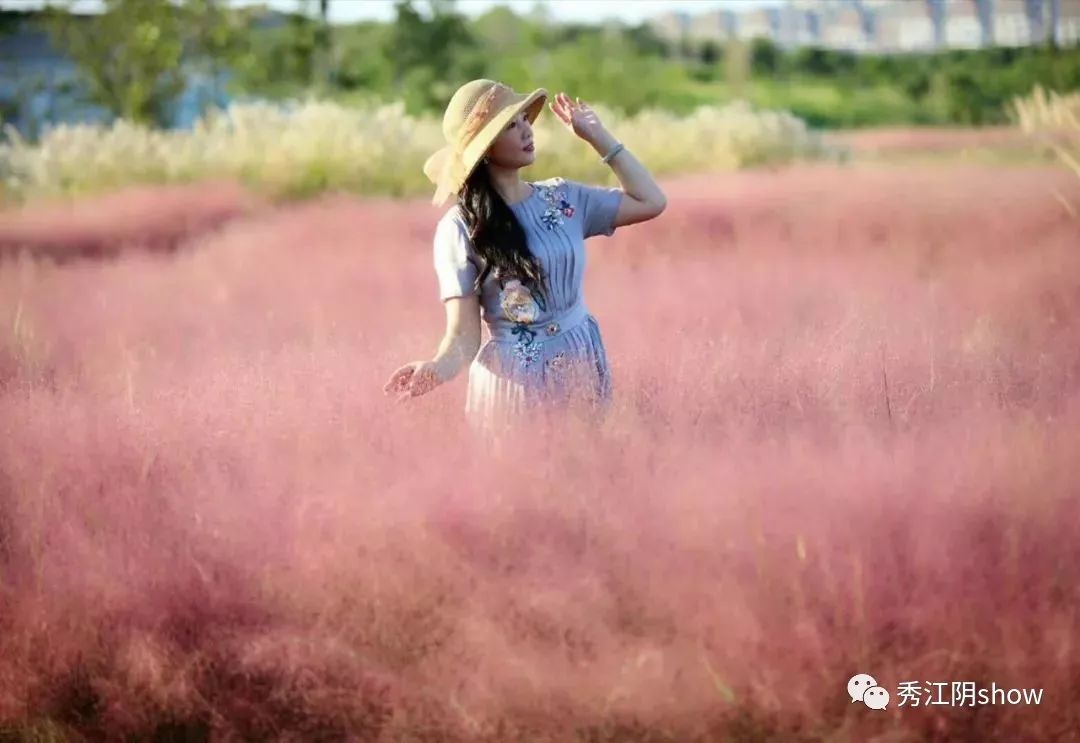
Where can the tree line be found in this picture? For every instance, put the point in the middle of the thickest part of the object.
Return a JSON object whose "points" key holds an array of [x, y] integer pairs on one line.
{"points": [[137, 56]]}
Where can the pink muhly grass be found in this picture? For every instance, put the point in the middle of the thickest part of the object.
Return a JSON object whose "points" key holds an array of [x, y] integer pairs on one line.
{"points": [[213, 521], [931, 139], [141, 217]]}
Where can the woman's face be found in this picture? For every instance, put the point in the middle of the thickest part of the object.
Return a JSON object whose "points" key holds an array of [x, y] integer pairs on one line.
{"points": [[509, 149]]}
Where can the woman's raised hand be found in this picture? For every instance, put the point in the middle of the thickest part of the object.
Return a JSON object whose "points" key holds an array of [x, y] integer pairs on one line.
{"points": [[578, 117], [413, 379]]}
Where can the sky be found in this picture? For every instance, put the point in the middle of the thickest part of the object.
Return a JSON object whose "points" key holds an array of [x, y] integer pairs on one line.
{"points": [[582, 11]]}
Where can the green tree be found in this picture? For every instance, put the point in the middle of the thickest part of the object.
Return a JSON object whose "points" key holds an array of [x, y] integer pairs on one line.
{"points": [[645, 40], [215, 37], [301, 43], [129, 54], [281, 60], [428, 55], [966, 102], [812, 61], [323, 47], [603, 67], [506, 42], [916, 84], [359, 62], [764, 57], [709, 54]]}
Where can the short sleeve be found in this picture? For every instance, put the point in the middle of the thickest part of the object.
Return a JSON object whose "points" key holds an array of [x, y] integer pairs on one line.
{"points": [[599, 205], [455, 264]]}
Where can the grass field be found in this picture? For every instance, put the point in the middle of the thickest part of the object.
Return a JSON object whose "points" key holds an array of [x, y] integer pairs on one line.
{"points": [[844, 441]]}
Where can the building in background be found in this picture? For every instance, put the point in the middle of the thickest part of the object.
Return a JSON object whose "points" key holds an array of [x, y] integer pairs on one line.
{"points": [[1063, 17], [848, 27], [673, 25], [1068, 23], [759, 23], [890, 26], [798, 26], [1010, 25], [715, 25], [964, 24], [906, 26]]}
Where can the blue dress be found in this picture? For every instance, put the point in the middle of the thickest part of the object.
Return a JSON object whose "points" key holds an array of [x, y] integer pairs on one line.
{"points": [[541, 352]]}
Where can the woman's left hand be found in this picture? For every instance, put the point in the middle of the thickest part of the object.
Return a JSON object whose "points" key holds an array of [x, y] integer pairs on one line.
{"points": [[577, 116]]}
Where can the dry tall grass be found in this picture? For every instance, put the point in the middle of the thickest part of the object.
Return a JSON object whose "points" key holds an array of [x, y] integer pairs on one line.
{"points": [[848, 405], [1048, 110], [1053, 118], [315, 146]]}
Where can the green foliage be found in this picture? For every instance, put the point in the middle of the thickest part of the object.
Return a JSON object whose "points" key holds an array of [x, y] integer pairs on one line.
{"points": [[425, 51], [764, 57], [135, 55], [129, 54], [215, 37], [355, 65], [278, 61], [956, 86], [601, 68]]}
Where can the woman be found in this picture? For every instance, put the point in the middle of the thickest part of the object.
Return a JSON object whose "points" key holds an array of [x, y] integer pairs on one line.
{"points": [[514, 251]]}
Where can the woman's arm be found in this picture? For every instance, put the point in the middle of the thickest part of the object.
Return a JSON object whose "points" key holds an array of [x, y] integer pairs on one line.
{"points": [[643, 199], [456, 275], [461, 340], [458, 349]]}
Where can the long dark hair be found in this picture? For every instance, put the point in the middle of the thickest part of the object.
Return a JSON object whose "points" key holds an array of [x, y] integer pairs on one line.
{"points": [[497, 236]]}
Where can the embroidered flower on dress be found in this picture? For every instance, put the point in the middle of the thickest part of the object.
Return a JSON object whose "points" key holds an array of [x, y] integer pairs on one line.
{"points": [[557, 206], [522, 308], [518, 303], [526, 348]]}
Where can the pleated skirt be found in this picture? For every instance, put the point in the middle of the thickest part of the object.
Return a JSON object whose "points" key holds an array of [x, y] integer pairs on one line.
{"points": [[571, 376]]}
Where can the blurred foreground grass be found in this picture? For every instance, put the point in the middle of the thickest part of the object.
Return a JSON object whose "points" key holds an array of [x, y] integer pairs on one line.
{"points": [[371, 149]]}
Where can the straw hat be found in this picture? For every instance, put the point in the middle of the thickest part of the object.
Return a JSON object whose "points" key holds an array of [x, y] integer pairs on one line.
{"points": [[477, 113]]}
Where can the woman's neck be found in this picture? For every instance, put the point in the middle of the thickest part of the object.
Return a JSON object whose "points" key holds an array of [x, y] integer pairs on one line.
{"points": [[508, 184]]}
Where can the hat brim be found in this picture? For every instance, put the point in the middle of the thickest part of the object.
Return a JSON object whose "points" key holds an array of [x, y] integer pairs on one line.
{"points": [[438, 166]]}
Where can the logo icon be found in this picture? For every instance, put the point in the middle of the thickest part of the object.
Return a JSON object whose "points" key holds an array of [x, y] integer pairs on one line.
{"points": [[862, 687]]}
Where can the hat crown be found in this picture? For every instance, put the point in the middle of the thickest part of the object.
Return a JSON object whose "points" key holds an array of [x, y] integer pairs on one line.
{"points": [[474, 118], [464, 103]]}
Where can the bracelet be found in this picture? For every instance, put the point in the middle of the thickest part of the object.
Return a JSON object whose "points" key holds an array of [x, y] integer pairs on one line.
{"points": [[614, 151]]}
